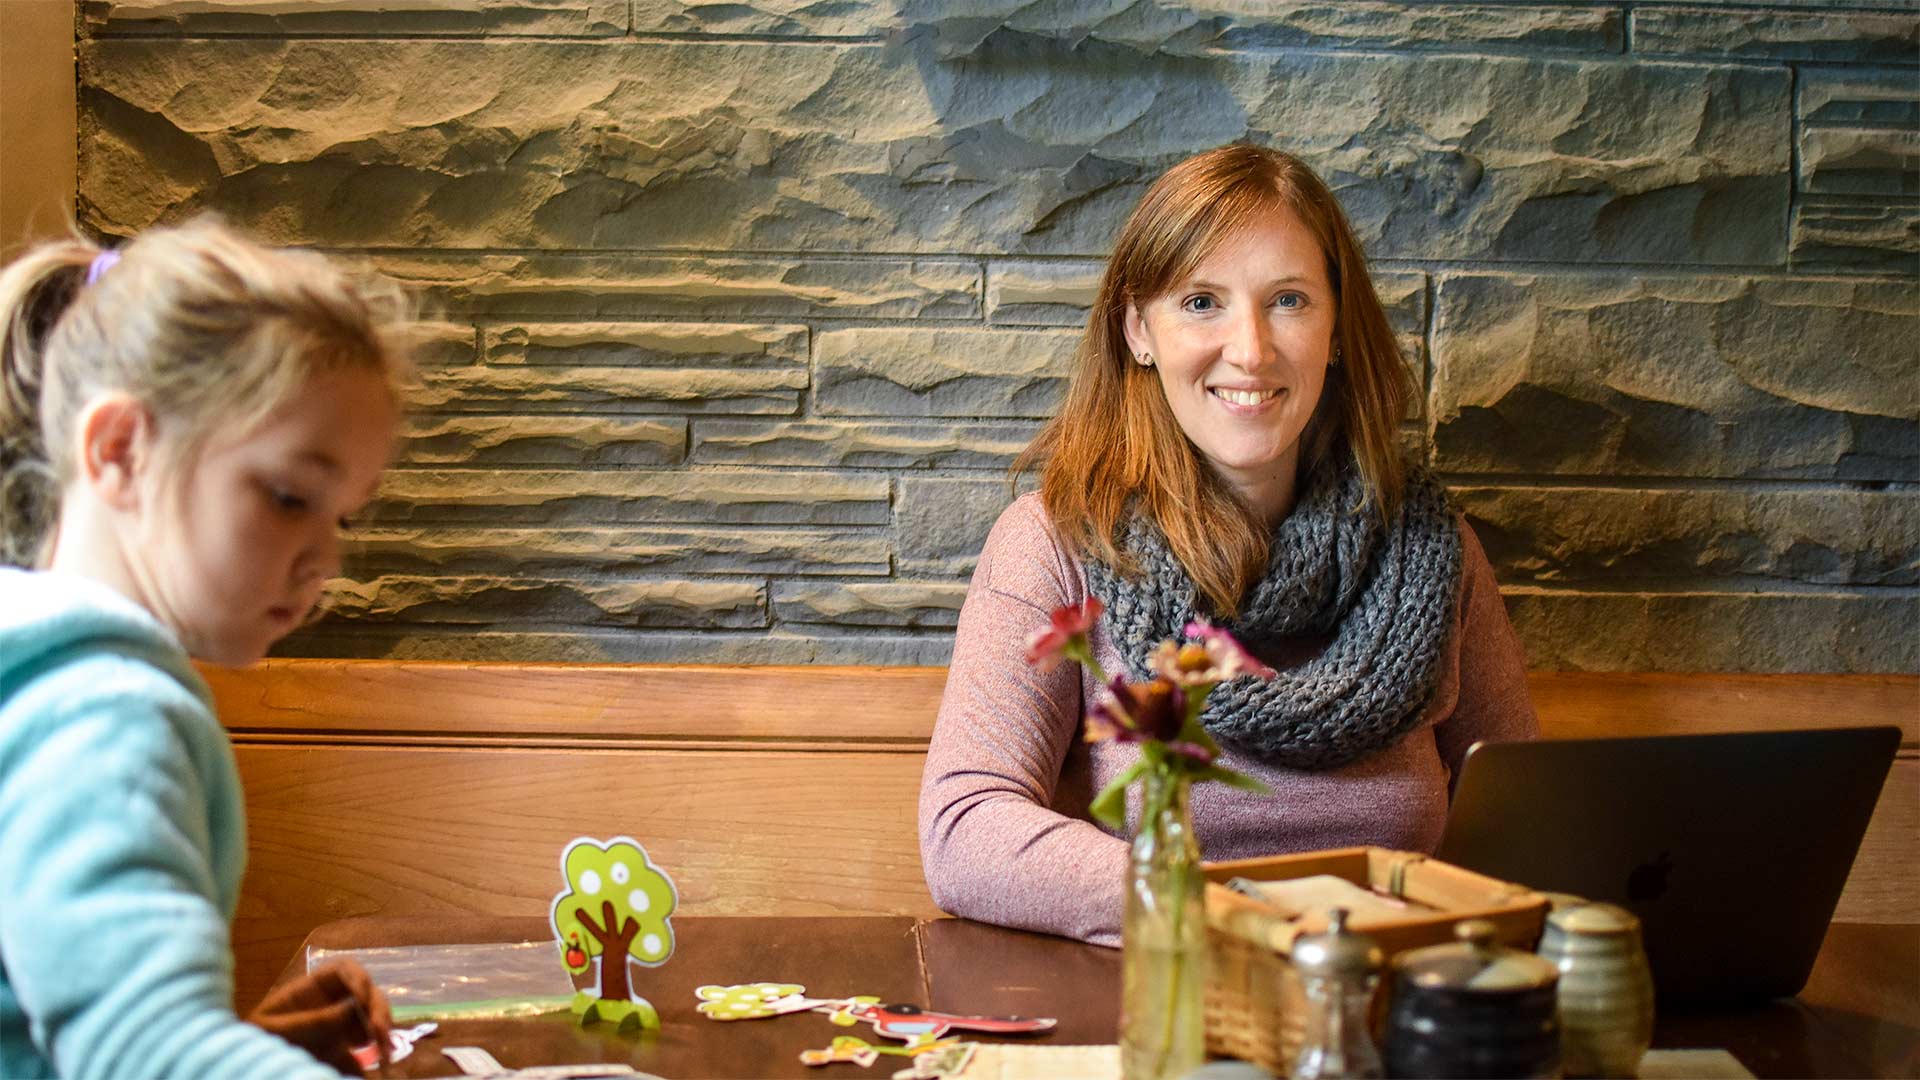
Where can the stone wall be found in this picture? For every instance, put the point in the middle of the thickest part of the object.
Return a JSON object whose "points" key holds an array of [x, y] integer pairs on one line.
{"points": [[751, 304]]}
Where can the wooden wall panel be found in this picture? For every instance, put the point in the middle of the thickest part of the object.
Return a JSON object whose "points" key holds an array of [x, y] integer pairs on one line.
{"points": [[393, 788], [346, 698], [406, 831], [1885, 884], [337, 831], [351, 698]]}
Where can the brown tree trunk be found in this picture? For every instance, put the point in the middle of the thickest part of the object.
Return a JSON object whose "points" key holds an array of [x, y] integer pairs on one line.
{"points": [[614, 941]]}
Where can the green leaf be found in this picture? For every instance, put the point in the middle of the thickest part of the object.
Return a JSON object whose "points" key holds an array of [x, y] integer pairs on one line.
{"points": [[1110, 806], [1197, 699]]}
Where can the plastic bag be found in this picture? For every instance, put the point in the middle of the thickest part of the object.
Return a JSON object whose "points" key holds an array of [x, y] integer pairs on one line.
{"points": [[499, 979]]}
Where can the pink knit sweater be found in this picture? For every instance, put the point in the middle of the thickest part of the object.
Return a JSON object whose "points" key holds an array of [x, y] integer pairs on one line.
{"points": [[1004, 835]]}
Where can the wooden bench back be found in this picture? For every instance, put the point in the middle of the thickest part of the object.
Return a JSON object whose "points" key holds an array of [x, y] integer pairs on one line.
{"points": [[397, 788]]}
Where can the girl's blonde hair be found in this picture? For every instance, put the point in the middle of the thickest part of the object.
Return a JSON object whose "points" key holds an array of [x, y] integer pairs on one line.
{"points": [[208, 329], [1115, 447]]}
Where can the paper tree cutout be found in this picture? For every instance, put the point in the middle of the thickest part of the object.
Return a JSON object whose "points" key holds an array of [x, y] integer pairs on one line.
{"points": [[612, 915]]}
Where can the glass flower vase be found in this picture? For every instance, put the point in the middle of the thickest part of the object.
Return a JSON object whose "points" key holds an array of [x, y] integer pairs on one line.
{"points": [[1163, 940]]}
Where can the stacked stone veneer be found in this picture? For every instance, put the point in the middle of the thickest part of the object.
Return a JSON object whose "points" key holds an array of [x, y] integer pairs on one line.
{"points": [[751, 304]]}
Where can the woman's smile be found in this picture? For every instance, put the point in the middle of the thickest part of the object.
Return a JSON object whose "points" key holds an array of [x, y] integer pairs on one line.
{"points": [[1245, 402]]}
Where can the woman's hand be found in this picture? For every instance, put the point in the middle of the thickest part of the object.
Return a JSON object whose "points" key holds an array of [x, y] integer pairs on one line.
{"points": [[328, 1012]]}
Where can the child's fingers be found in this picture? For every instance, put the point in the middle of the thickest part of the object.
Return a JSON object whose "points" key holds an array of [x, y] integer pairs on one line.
{"points": [[329, 1011], [380, 1016], [349, 980], [354, 981], [329, 1033]]}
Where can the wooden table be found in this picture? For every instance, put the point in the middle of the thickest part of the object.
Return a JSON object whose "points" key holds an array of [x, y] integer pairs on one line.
{"points": [[1858, 1016]]}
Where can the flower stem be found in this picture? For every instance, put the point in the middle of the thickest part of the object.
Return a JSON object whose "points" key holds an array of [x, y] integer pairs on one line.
{"points": [[1081, 649], [1174, 978]]}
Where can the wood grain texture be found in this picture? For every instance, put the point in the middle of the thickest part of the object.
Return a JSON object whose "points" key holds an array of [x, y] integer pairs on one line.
{"points": [[1574, 704], [571, 701], [343, 831], [1884, 886], [863, 955], [1858, 1015], [403, 788], [339, 831], [395, 699]]}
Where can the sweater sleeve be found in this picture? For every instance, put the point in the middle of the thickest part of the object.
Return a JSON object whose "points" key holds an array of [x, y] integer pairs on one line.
{"points": [[1494, 704], [115, 942], [992, 846]]}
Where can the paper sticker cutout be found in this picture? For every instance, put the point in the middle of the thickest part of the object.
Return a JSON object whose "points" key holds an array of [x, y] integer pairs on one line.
{"points": [[921, 1026], [844, 1048], [401, 1044], [852, 1048], [472, 1060], [750, 1001], [844, 1009], [941, 1062], [611, 919]]}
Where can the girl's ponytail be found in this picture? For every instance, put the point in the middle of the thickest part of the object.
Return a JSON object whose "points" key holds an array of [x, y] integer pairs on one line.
{"points": [[34, 291], [209, 330]]}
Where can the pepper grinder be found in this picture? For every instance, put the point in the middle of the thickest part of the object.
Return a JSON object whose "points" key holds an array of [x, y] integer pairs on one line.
{"points": [[1339, 971]]}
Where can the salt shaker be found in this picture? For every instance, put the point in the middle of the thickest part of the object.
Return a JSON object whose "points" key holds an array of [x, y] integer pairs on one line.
{"points": [[1606, 989], [1338, 971]]}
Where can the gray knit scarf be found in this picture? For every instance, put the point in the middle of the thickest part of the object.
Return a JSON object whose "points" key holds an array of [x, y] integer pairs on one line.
{"points": [[1386, 595]]}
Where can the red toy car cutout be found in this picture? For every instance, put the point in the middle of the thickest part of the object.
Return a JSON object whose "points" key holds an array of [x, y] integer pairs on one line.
{"points": [[914, 1024]]}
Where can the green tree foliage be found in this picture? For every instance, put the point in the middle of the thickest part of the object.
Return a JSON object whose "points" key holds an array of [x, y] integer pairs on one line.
{"points": [[615, 908]]}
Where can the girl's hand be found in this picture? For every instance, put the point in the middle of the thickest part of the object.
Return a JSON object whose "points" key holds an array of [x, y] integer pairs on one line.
{"points": [[328, 1012]]}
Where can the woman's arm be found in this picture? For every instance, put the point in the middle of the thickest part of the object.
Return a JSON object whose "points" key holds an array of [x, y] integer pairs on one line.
{"points": [[992, 846], [1494, 703], [115, 944]]}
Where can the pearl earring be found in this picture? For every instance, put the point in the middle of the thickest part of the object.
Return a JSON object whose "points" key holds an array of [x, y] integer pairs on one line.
{"points": [[1144, 359]]}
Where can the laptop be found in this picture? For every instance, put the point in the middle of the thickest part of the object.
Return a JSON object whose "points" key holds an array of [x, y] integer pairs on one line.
{"points": [[1732, 849]]}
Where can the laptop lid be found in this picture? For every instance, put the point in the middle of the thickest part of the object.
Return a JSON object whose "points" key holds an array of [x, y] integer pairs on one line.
{"points": [[1732, 849]]}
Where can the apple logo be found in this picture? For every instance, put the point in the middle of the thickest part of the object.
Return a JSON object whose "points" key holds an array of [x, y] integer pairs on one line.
{"points": [[1648, 882]]}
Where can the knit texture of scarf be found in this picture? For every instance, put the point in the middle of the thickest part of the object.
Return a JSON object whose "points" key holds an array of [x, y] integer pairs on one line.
{"points": [[1386, 594]]}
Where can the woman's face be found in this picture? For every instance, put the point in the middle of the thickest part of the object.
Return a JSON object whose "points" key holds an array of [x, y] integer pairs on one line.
{"points": [[237, 553], [1241, 347]]}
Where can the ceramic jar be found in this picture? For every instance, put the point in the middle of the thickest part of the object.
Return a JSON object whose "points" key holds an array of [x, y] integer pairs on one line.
{"points": [[1472, 1008], [1605, 990]]}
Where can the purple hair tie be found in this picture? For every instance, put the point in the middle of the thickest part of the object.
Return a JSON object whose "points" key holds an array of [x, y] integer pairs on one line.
{"points": [[101, 264]]}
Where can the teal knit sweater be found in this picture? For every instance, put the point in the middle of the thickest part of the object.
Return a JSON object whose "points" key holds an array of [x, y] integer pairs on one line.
{"points": [[122, 842]]}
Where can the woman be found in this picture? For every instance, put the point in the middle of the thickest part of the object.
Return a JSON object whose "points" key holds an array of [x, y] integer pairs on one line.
{"points": [[1228, 449]]}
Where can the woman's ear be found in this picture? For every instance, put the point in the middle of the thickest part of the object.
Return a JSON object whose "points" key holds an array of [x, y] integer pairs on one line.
{"points": [[116, 434], [1134, 326]]}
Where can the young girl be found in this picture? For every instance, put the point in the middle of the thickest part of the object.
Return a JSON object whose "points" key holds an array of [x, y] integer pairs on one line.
{"points": [[184, 426]]}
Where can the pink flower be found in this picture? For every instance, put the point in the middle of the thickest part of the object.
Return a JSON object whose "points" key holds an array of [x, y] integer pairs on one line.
{"points": [[1189, 665], [1065, 635], [1211, 656], [1137, 712]]}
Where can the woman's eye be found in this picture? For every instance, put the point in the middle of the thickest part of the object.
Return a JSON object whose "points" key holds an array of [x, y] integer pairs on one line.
{"points": [[1199, 304], [286, 500], [1290, 300]]}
